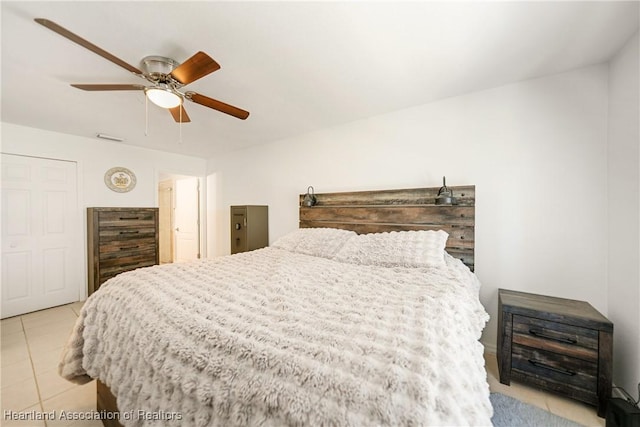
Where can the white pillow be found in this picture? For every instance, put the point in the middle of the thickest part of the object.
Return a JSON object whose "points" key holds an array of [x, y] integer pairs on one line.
{"points": [[321, 242], [396, 249]]}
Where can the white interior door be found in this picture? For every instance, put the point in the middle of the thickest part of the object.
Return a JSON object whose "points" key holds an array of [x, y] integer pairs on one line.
{"points": [[41, 250], [187, 232]]}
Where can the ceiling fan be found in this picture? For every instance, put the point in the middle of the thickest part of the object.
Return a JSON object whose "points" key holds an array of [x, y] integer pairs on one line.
{"points": [[167, 78]]}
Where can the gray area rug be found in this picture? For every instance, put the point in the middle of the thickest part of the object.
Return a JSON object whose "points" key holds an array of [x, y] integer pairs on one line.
{"points": [[510, 412]]}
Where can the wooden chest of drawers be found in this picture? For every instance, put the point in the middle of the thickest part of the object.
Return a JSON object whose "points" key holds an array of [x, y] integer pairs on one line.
{"points": [[557, 344], [120, 239]]}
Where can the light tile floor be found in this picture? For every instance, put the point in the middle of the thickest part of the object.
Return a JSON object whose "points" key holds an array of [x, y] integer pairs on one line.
{"points": [[32, 343]]}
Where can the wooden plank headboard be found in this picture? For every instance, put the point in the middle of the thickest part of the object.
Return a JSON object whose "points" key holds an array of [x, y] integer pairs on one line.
{"points": [[398, 210]]}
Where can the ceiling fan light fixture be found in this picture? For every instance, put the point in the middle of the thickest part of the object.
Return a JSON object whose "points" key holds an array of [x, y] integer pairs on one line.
{"points": [[164, 98]]}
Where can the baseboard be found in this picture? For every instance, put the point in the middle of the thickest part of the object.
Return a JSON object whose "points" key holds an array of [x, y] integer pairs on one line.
{"points": [[489, 347]]}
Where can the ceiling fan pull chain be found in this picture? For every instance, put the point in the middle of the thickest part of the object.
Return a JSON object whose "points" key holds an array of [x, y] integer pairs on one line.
{"points": [[146, 116], [180, 126]]}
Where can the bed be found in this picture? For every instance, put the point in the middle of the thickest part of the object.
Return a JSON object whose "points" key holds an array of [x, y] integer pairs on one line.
{"points": [[324, 327]]}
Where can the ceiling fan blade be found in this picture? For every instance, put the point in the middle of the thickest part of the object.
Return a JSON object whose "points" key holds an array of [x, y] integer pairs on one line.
{"points": [[217, 105], [175, 112], [99, 87], [199, 65], [86, 44]]}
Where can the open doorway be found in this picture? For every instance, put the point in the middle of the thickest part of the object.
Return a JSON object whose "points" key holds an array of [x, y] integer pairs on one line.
{"points": [[179, 217]]}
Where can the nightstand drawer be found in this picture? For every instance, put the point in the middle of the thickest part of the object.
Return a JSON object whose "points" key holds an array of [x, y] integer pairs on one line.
{"points": [[566, 372], [568, 340]]}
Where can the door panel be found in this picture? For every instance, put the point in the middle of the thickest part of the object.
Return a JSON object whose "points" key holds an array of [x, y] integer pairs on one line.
{"points": [[54, 212], [16, 270], [186, 219], [54, 269], [41, 231], [16, 216]]}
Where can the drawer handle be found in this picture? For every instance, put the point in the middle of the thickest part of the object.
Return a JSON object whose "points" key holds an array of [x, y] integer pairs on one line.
{"points": [[562, 371], [130, 232], [129, 217], [126, 248], [549, 337]]}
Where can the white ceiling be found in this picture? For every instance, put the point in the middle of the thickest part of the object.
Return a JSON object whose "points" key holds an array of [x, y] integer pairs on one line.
{"points": [[296, 66]]}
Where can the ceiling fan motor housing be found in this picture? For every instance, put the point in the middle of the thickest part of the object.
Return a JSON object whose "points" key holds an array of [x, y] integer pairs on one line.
{"points": [[158, 67]]}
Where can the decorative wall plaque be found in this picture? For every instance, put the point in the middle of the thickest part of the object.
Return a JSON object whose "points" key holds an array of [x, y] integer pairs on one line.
{"points": [[120, 180]]}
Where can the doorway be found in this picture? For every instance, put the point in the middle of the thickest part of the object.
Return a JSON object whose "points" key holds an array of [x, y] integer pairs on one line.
{"points": [[179, 217], [41, 229]]}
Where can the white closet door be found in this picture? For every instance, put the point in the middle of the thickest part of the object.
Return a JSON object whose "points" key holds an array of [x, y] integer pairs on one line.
{"points": [[42, 255]]}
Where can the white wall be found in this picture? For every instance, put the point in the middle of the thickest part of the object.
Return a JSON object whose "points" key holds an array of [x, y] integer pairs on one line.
{"points": [[624, 214], [94, 157], [536, 151]]}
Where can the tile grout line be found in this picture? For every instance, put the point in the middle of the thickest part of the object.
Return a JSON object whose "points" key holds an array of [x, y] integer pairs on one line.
{"points": [[55, 369], [33, 369]]}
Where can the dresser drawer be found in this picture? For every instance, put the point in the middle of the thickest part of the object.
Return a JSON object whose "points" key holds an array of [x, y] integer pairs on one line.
{"points": [[122, 234], [122, 247], [134, 257], [564, 339], [127, 256], [130, 218], [113, 270]]}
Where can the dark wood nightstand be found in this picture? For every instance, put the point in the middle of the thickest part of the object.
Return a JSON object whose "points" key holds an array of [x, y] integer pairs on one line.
{"points": [[557, 344]]}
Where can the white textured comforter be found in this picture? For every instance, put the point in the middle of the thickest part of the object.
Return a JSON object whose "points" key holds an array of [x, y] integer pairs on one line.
{"points": [[270, 337]]}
